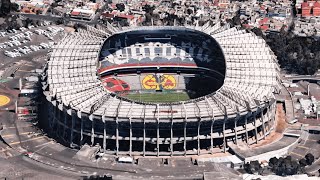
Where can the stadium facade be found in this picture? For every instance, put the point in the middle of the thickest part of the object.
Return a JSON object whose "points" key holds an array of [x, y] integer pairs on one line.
{"points": [[81, 109]]}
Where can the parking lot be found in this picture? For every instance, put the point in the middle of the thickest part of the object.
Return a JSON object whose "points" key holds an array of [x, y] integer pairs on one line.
{"points": [[25, 44]]}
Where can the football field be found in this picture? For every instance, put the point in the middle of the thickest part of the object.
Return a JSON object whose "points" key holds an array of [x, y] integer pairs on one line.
{"points": [[159, 97]]}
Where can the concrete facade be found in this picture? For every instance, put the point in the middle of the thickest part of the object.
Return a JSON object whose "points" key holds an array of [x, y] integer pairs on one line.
{"points": [[81, 111]]}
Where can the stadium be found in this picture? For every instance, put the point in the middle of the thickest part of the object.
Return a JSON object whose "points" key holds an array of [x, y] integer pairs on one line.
{"points": [[160, 91]]}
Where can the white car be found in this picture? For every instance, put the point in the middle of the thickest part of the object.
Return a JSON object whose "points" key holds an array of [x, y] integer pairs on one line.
{"points": [[13, 38], [10, 54], [23, 51], [20, 35], [9, 44], [44, 45], [23, 29], [28, 38], [29, 33], [16, 43], [3, 34], [39, 31], [34, 48]]}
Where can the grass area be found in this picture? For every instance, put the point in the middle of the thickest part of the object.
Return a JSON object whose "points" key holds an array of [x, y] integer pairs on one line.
{"points": [[159, 97]]}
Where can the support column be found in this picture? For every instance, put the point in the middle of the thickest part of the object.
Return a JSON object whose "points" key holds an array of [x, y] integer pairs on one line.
{"points": [[274, 110], [235, 129], [199, 123], [268, 116], [144, 138], [158, 134], [246, 122], [117, 137], [255, 127], [104, 145], [171, 138], [130, 138], [58, 122], [211, 134], [224, 135], [185, 138], [65, 123], [81, 132], [157, 138], [92, 132], [144, 130], [54, 116], [263, 127], [72, 127]]}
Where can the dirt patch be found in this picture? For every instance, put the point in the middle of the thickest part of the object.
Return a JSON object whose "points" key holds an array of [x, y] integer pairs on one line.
{"points": [[280, 120], [280, 127], [273, 136], [69, 29]]}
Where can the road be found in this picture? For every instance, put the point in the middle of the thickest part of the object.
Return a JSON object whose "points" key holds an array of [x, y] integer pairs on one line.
{"points": [[19, 167], [303, 77]]}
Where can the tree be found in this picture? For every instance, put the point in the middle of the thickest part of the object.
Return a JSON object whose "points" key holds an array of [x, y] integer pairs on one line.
{"points": [[303, 162], [14, 7], [236, 19], [258, 32], [148, 9], [38, 12], [286, 166], [120, 6], [5, 7], [273, 161], [309, 158], [54, 4], [59, 21], [247, 167], [289, 167], [254, 166]]}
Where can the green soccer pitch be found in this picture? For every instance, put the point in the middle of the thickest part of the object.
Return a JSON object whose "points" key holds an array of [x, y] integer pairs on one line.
{"points": [[159, 97]]}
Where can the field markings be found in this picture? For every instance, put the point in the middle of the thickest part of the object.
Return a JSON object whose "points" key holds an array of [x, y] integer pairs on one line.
{"points": [[303, 147], [12, 127], [44, 144], [9, 135], [312, 140], [21, 70], [297, 154], [32, 139]]}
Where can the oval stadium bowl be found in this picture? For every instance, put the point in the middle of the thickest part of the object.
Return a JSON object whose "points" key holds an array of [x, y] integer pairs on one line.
{"points": [[161, 91]]}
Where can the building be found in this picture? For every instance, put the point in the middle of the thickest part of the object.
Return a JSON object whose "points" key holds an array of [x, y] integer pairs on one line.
{"points": [[305, 9], [89, 103], [87, 14], [316, 9]]}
